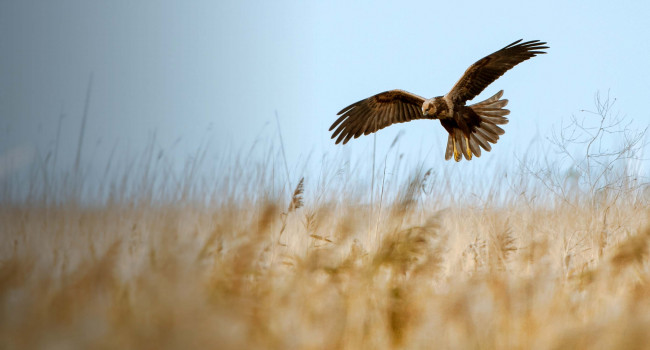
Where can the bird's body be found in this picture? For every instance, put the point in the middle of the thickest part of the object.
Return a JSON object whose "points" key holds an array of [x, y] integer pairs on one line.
{"points": [[470, 127]]}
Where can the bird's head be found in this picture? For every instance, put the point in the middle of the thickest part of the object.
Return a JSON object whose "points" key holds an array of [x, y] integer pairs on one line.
{"points": [[429, 108]]}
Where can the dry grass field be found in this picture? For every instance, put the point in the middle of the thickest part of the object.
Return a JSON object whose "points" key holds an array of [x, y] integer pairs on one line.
{"points": [[527, 264], [335, 275]]}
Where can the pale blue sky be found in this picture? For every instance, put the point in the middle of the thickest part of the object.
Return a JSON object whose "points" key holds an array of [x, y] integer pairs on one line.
{"points": [[217, 70]]}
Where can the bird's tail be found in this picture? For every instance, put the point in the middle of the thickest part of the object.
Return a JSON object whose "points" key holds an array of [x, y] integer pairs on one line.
{"points": [[482, 129]]}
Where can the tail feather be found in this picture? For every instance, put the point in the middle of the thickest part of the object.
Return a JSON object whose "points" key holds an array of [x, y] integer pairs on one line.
{"points": [[495, 120], [481, 130], [487, 135], [482, 142], [450, 147], [493, 112], [491, 127], [474, 146], [492, 102], [493, 99]]}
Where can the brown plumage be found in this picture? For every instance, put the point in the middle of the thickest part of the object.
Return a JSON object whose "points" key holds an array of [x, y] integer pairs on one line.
{"points": [[470, 127]]}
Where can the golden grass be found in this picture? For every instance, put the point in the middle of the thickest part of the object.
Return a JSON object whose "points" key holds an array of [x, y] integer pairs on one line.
{"points": [[294, 274]]}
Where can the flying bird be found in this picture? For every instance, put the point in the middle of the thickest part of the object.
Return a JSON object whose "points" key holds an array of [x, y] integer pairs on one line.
{"points": [[470, 127]]}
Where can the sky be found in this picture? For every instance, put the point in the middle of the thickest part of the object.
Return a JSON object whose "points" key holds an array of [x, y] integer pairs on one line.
{"points": [[215, 73]]}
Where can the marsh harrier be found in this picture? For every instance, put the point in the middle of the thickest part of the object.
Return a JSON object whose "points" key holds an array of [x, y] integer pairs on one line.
{"points": [[470, 127]]}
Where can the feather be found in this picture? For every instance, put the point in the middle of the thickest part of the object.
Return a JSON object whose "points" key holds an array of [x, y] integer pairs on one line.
{"points": [[492, 112], [488, 69], [450, 147], [492, 128], [473, 146], [481, 141], [495, 119], [487, 135], [375, 113]]}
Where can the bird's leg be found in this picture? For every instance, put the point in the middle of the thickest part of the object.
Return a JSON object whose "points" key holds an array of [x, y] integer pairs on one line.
{"points": [[467, 149], [456, 151]]}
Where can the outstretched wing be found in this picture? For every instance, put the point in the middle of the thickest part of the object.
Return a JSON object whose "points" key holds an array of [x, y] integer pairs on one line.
{"points": [[375, 113], [488, 69]]}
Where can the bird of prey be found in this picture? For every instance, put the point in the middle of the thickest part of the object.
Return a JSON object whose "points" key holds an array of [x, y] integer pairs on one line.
{"points": [[470, 127]]}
